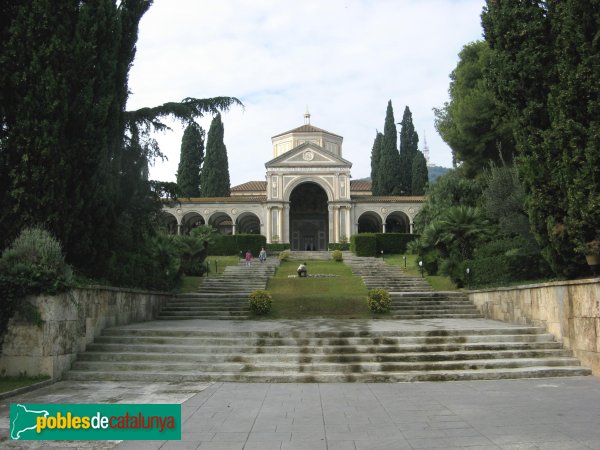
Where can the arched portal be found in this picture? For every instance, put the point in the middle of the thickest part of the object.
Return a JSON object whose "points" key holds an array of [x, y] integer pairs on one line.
{"points": [[222, 222], [369, 222], [248, 223], [190, 221], [308, 217], [397, 222], [169, 222]]}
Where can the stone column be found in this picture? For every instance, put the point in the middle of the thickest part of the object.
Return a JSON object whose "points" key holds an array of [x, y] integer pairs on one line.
{"points": [[233, 227], [285, 224], [411, 228], [179, 227], [336, 223], [268, 231], [330, 234], [383, 226]]}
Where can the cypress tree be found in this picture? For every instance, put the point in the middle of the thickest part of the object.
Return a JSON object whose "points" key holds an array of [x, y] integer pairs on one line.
{"points": [[409, 146], [214, 181], [388, 180], [375, 157], [190, 161], [420, 175]]}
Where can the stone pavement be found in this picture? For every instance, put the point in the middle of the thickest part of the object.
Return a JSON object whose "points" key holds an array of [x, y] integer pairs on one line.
{"points": [[550, 413]]}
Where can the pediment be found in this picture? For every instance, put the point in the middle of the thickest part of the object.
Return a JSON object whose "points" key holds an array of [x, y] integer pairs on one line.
{"points": [[308, 155]]}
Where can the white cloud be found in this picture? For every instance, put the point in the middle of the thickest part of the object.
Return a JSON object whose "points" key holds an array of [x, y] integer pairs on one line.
{"points": [[342, 58]]}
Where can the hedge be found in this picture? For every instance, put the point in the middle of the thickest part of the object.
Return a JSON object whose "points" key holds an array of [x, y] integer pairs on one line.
{"points": [[393, 243], [338, 246], [276, 248], [364, 244], [234, 244], [504, 269]]}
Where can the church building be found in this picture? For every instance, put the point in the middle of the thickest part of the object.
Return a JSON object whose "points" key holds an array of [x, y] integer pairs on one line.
{"points": [[308, 199]]}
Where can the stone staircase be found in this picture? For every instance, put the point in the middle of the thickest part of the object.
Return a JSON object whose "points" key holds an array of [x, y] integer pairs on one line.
{"points": [[222, 297], [307, 352], [412, 297]]}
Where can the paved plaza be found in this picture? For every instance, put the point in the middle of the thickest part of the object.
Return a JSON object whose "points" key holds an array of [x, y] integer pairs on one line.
{"points": [[550, 413]]}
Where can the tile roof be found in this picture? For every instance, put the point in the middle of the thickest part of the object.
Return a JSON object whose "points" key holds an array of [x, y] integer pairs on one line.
{"points": [[360, 185], [307, 128], [250, 186], [232, 199], [389, 199]]}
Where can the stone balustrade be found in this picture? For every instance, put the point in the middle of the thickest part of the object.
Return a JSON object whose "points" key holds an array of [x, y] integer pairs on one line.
{"points": [[70, 321], [570, 310]]}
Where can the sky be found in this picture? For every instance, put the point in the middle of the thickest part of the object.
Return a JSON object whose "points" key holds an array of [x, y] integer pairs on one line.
{"points": [[341, 59]]}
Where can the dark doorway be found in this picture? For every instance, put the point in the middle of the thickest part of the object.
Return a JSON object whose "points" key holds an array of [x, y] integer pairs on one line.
{"points": [[308, 218]]}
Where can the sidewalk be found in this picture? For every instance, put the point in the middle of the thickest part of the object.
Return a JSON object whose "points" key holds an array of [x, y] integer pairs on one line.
{"points": [[550, 413]]}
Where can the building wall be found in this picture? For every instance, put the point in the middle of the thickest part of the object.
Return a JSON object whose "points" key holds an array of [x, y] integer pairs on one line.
{"points": [[570, 310], [71, 320]]}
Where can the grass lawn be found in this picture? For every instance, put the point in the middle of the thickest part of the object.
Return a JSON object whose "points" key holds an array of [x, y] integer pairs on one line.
{"points": [[11, 383], [343, 296], [438, 282], [216, 266]]}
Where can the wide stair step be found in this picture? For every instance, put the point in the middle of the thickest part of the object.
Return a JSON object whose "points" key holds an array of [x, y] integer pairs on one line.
{"points": [[162, 354]]}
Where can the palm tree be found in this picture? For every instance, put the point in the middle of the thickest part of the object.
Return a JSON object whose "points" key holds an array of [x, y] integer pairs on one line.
{"points": [[463, 226]]}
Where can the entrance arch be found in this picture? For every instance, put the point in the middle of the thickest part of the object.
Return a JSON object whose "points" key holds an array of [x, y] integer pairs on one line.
{"points": [[308, 217], [369, 222], [397, 222]]}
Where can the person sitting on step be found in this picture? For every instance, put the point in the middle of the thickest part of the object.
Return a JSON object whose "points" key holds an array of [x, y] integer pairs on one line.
{"points": [[302, 270]]}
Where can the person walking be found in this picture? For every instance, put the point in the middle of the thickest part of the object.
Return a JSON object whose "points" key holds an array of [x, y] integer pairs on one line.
{"points": [[248, 257], [262, 256]]}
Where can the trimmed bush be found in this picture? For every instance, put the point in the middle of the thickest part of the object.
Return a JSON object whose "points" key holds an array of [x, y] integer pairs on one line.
{"points": [[343, 246], [284, 255], [229, 245], [379, 300], [364, 244], [503, 269], [336, 255], [260, 302], [276, 248], [394, 243]]}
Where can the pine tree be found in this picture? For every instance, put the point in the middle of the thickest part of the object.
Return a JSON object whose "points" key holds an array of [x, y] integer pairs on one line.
{"points": [[190, 161], [409, 146], [375, 157], [419, 175], [214, 181], [388, 180]]}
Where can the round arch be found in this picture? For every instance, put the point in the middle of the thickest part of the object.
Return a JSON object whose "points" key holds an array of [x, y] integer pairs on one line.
{"points": [[247, 223], [191, 220], [315, 180], [169, 222], [309, 217], [222, 222], [370, 222], [397, 222]]}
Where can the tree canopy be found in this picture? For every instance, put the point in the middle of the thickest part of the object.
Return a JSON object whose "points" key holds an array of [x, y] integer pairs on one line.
{"points": [[388, 177], [190, 161], [409, 146], [214, 181]]}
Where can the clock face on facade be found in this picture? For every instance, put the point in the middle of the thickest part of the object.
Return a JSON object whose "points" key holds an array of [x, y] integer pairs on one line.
{"points": [[308, 155]]}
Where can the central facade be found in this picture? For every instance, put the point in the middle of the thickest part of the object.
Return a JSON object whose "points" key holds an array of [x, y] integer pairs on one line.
{"points": [[307, 201]]}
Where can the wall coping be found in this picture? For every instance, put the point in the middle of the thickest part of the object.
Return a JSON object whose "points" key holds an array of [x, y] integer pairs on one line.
{"points": [[99, 287], [539, 285]]}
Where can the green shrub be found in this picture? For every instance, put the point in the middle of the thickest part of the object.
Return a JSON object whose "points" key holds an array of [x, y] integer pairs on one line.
{"points": [[192, 252], [336, 255], [379, 300], [284, 255], [260, 302], [394, 243], [224, 245], [252, 242], [364, 244], [32, 265], [501, 269], [228, 245], [343, 246], [275, 248]]}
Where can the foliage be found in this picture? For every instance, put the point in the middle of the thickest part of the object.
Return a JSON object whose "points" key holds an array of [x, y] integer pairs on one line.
{"points": [[205, 233], [214, 181], [434, 172], [409, 144], [419, 175], [473, 124], [192, 253], [277, 247], [284, 255], [503, 269], [72, 159], [388, 171], [545, 72], [392, 243], [379, 300], [190, 161], [451, 189], [260, 302], [337, 255], [364, 244], [33, 264], [237, 244], [375, 157], [252, 242]]}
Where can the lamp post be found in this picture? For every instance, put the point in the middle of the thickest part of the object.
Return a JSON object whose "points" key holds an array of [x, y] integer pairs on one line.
{"points": [[382, 255], [468, 271], [421, 267], [404, 258]]}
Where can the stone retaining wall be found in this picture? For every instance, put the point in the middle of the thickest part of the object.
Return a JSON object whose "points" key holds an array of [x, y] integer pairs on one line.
{"points": [[70, 321], [570, 310]]}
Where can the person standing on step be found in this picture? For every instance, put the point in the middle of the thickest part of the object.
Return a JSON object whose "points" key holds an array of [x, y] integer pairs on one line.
{"points": [[262, 256], [248, 257]]}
